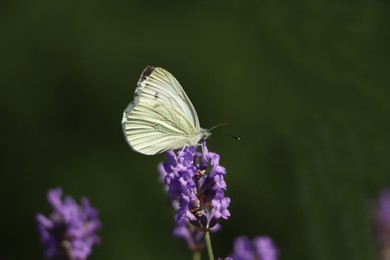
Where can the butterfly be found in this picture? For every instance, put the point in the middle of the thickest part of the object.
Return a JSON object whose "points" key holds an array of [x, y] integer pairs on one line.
{"points": [[161, 117]]}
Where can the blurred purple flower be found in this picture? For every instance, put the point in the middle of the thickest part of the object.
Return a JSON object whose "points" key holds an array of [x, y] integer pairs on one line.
{"points": [[195, 185], [261, 248], [194, 238], [381, 213], [70, 231]]}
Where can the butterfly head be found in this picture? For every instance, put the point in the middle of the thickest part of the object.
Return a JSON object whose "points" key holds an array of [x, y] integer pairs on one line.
{"points": [[203, 134]]}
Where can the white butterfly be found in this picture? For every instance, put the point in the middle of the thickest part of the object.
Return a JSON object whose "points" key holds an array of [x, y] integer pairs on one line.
{"points": [[161, 117]]}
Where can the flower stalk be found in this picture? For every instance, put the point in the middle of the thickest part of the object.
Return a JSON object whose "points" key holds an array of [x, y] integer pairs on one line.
{"points": [[209, 247]]}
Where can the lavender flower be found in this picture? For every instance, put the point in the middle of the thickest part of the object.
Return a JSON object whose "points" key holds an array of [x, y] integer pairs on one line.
{"points": [[261, 248], [195, 185], [70, 231], [381, 212]]}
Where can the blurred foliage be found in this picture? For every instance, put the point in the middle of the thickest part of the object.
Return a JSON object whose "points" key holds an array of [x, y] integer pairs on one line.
{"points": [[305, 85]]}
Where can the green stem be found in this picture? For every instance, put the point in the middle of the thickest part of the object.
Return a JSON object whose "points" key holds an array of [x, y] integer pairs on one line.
{"points": [[196, 255], [208, 243]]}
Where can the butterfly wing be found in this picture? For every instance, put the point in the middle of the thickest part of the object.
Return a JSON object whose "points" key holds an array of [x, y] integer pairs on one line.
{"points": [[161, 117], [151, 127], [157, 84]]}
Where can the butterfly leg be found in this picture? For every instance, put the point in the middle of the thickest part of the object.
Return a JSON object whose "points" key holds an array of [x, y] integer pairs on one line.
{"points": [[180, 153]]}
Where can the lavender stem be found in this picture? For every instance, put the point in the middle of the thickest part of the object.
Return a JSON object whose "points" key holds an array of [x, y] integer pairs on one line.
{"points": [[208, 244], [196, 255]]}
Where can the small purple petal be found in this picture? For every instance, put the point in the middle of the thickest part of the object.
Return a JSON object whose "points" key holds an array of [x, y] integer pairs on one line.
{"points": [[260, 248], [382, 207], [381, 214], [265, 248]]}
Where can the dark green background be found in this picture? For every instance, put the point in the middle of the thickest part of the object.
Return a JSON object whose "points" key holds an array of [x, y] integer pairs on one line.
{"points": [[305, 85]]}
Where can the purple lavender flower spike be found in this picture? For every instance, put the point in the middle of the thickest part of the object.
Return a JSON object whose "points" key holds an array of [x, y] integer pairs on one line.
{"points": [[261, 248], [196, 187], [381, 212], [70, 231], [265, 248]]}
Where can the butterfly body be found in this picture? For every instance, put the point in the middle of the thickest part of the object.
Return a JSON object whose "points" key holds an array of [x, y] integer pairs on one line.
{"points": [[161, 117]]}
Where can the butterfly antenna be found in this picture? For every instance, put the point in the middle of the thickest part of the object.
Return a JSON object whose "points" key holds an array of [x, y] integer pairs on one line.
{"points": [[216, 126], [234, 137]]}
